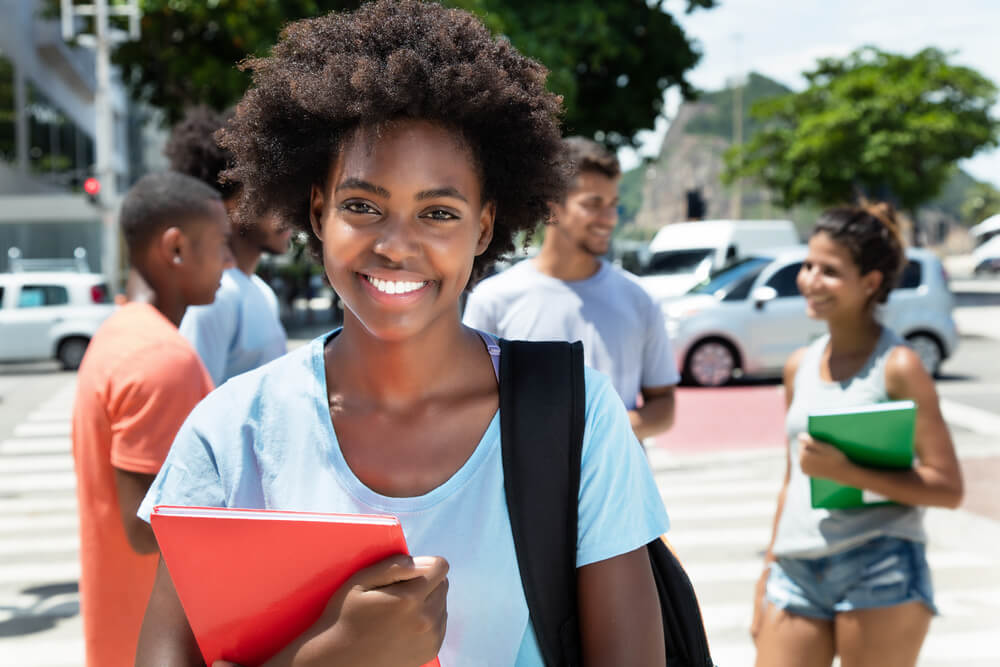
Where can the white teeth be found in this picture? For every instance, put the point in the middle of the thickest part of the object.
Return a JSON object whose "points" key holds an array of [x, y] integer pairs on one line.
{"points": [[394, 287]]}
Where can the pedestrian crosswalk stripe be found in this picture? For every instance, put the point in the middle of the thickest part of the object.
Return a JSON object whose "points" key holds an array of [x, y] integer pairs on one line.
{"points": [[757, 509], [34, 463], [18, 446], [57, 481], [709, 491], [37, 545], [55, 416], [44, 429], [35, 573], [54, 523], [38, 504]]}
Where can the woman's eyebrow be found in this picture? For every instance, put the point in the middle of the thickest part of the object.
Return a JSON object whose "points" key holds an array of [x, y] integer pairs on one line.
{"points": [[358, 184], [446, 191]]}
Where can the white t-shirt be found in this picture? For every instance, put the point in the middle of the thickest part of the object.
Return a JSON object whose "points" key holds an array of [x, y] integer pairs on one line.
{"points": [[265, 440], [240, 330], [622, 330]]}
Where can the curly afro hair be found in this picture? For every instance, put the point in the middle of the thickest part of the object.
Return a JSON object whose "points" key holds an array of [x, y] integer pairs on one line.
{"points": [[192, 148], [389, 60]]}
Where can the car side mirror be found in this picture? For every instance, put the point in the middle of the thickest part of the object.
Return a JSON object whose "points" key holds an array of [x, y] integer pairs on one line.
{"points": [[762, 295]]}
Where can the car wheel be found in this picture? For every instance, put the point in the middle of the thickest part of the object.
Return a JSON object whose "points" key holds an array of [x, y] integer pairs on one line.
{"points": [[71, 352], [711, 363], [928, 349]]}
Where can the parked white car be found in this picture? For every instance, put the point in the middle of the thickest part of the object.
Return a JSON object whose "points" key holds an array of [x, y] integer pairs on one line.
{"points": [[683, 254], [51, 315], [986, 258], [746, 320]]}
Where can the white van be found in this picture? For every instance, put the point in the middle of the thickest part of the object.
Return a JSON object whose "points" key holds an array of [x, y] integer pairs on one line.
{"points": [[685, 253]]}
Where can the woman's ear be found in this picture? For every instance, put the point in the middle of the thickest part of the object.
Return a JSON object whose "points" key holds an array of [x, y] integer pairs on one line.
{"points": [[487, 218], [555, 210], [872, 282], [317, 203]]}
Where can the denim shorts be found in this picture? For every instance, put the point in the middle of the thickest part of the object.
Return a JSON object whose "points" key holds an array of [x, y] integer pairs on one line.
{"points": [[882, 572]]}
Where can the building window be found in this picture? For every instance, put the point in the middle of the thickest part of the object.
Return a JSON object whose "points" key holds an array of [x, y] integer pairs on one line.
{"points": [[59, 151], [8, 111]]}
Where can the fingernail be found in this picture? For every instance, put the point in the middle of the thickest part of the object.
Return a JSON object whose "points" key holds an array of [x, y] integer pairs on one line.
{"points": [[424, 561]]}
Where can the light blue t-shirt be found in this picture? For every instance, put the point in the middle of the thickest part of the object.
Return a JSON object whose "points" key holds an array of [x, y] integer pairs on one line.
{"points": [[265, 440], [622, 329], [239, 331]]}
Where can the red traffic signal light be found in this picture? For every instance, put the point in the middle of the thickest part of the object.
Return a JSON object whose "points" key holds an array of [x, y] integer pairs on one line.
{"points": [[92, 186]]}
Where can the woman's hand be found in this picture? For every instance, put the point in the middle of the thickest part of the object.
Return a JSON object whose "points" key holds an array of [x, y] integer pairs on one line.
{"points": [[821, 459], [391, 614], [758, 604]]}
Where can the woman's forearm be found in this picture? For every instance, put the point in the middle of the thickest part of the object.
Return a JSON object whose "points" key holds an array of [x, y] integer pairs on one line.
{"points": [[922, 485]]}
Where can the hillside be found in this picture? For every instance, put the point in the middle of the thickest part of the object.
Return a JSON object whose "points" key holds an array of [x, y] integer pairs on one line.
{"points": [[691, 158]]}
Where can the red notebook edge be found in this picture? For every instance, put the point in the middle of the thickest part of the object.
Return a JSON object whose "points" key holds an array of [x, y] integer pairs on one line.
{"points": [[250, 581]]}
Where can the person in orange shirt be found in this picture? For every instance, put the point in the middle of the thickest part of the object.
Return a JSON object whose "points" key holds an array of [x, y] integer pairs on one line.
{"points": [[137, 383]]}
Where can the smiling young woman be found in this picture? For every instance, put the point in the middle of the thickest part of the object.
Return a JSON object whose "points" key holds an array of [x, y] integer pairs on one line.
{"points": [[854, 582], [410, 146]]}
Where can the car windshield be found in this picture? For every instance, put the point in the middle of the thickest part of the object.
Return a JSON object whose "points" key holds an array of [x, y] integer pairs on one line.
{"points": [[720, 283], [678, 261]]}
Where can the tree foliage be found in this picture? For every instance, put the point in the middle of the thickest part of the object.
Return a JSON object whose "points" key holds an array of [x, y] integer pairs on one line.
{"points": [[873, 124], [982, 200], [611, 61]]}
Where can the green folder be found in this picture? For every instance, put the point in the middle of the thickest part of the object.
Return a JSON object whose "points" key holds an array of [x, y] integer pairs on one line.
{"points": [[877, 436]]}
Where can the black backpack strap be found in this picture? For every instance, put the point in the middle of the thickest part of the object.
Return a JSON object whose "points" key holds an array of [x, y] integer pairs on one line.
{"points": [[542, 404]]}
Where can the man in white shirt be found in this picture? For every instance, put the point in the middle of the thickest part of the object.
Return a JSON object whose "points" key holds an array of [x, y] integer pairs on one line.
{"points": [[569, 292], [241, 329]]}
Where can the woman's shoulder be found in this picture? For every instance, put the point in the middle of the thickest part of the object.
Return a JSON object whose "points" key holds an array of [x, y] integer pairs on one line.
{"points": [[288, 375]]}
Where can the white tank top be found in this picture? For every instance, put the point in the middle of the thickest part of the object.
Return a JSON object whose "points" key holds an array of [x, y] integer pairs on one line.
{"points": [[804, 532]]}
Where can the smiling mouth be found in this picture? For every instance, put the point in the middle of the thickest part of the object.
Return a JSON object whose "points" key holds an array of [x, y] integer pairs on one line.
{"points": [[394, 286]]}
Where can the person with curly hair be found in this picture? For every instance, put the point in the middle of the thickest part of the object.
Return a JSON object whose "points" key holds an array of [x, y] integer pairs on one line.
{"points": [[853, 582], [411, 146], [241, 329]]}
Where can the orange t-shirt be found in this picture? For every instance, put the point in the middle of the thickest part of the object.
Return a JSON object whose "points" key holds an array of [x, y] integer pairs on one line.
{"points": [[138, 381]]}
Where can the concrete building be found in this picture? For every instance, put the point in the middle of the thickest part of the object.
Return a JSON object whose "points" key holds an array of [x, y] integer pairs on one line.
{"points": [[47, 139]]}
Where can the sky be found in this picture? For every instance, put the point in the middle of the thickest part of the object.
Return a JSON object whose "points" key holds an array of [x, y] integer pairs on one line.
{"points": [[782, 38]]}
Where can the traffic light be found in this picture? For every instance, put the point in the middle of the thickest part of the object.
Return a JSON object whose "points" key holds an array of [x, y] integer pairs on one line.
{"points": [[92, 187]]}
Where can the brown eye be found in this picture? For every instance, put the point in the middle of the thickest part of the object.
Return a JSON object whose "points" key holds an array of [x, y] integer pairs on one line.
{"points": [[440, 214], [359, 207]]}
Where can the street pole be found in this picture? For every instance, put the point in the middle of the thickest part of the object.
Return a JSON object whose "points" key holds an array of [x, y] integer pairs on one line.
{"points": [[104, 153], [737, 201], [104, 141]]}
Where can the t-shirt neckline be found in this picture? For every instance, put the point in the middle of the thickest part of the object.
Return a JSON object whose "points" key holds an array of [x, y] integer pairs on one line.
{"points": [[392, 504]]}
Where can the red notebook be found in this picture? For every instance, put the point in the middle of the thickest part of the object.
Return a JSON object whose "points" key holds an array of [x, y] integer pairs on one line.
{"points": [[251, 581]]}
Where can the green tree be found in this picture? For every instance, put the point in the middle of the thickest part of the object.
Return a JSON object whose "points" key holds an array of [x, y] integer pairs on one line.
{"points": [[611, 61], [981, 201], [873, 124]]}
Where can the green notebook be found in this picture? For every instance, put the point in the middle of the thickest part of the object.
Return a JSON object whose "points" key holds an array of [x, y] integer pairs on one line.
{"points": [[878, 436]]}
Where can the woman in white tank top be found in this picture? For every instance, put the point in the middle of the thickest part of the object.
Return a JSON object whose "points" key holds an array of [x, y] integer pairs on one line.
{"points": [[853, 583]]}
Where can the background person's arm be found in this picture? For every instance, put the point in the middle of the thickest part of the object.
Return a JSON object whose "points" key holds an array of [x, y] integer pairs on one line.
{"points": [[132, 488], [656, 414]]}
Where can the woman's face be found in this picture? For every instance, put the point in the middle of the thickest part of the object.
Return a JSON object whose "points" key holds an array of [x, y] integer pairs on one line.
{"points": [[832, 283], [401, 220]]}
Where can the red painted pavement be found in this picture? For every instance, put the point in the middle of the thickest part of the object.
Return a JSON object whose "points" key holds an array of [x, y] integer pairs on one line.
{"points": [[728, 418]]}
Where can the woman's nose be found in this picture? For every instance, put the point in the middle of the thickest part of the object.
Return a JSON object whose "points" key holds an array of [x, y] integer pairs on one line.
{"points": [[396, 240]]}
